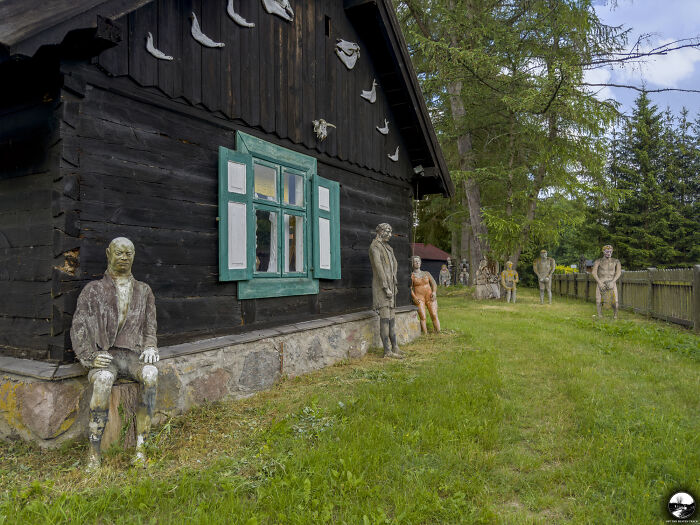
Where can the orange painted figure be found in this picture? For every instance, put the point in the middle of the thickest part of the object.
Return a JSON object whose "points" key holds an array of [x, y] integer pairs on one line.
{"points": [[424, 294]]}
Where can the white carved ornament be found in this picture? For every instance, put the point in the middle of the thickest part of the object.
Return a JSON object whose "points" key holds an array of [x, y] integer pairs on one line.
{"points": [[236, 17], [281, 8], [385, 129], [395, 156], [201, 37], [348, 52], [371, 95], [153, 51]]}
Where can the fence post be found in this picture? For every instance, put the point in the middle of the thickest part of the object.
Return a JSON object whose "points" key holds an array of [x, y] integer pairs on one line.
{"points": [[620, 286], [650, 291], [696, 297]]}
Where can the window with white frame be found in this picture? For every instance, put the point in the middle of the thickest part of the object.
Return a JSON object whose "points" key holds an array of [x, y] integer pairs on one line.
{"points": [[279, 228]]}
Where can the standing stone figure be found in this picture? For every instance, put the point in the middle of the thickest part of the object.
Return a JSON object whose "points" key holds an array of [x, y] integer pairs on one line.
{"points": [[544, 268], [424, 294], [114, 335], [384, 289], [445, 277], [606, 272], [509, 281]]}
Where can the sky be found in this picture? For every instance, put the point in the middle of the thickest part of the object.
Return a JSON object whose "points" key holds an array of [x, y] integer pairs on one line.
{"points": [[665, 20]]}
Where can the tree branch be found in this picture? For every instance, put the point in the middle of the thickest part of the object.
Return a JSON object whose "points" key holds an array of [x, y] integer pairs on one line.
{"points": [[641, 89]]}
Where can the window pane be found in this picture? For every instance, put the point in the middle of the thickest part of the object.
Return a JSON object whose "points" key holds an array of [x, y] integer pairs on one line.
{"points": [[265, 182], [293, 189], [294, 243], [265, 241]]}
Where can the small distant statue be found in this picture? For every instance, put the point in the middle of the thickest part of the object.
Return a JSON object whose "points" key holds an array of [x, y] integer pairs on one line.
{"points": [[114, 335], [424, 294], [486, 282], [509, 281], [463, 277], [445, 277], [544, 268], [384, 289], [606, 272]]}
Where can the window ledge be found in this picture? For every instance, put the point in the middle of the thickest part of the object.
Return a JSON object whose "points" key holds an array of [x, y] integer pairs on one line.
{"points": [[282, 287]]}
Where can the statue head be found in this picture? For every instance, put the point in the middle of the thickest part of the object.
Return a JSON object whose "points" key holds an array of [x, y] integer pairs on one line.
{"points": [[607, 251], [120, 256], [384, 231], [543, 254], [509, 265], [415, 262]]}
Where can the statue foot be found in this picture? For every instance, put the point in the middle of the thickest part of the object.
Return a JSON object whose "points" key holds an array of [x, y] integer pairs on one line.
{"points": [[139, 459], [94, 462], [393, 355]]}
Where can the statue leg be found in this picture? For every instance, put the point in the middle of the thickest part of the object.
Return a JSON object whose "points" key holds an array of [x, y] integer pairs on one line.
{"points": [[392, 335], [102, 381], [514, 290], [432, 308], [549, 290], [598, 302], [146, 408], [615, 303], [421, 316], [541, 292], [384, 336]]}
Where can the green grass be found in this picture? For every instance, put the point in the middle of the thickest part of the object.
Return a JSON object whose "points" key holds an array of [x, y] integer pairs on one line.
{"points": [[514, 414]]}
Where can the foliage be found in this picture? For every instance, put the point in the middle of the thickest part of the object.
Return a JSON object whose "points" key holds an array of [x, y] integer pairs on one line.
{"points": [[516, 414], [564, 270], [524, 139]]}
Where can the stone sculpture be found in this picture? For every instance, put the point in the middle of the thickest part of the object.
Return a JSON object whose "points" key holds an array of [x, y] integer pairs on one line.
{"points": [[463, 277], [370, 95], [348, 52], [544, 268], [384, 288], [486, 282], [114, 335], [445, 277], [424, 294], [394, 157], [281, 8], [606, 272], [509, 281]]}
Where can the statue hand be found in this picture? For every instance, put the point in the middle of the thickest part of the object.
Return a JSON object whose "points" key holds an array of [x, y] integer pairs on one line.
{"points": [[432, 296], [149, 355], [102, 360], [388, 292]]}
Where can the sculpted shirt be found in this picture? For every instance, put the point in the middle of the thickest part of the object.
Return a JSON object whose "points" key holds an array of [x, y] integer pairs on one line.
{"points": [[384, 267], [544, 268], [97, 323]]}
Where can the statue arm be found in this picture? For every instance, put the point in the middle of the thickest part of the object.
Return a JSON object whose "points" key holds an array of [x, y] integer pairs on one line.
{"points": [[150, 328], [503, 279], [594, 272], [378, 267], [516, 278], [433, 285], [618, 271], [82, 330], [552, 267]]}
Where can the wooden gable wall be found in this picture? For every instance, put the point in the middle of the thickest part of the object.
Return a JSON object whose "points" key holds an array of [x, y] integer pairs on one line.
{"points": [[277, 76]]}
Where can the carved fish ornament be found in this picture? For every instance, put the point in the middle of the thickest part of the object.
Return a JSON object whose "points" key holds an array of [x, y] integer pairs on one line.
{"points": [[153, 51], [201, 37], [281, 8], [371, 95], [236, 17]]}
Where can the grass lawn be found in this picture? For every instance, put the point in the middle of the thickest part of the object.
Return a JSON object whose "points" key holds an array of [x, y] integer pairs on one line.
{"points": [[514, 414]]}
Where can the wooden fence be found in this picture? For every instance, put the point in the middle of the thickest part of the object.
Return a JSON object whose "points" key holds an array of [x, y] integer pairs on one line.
{"points": [[670, 295]]}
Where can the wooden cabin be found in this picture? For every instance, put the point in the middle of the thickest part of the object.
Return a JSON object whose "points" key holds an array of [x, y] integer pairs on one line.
{"points": [[181, 125]]}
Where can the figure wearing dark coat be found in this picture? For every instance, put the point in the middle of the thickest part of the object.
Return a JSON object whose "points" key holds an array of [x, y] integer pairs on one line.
{"points": [[384, 268], [96, 320]]}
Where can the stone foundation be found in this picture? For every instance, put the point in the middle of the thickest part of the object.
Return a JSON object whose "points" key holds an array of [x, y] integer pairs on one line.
{"points": [[48, 404]]}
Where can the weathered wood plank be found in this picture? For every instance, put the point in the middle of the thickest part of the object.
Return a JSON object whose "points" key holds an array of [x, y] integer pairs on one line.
{"points": [[212, 13], [267, 65], [191, 75], [142, 66], [170, 21]]}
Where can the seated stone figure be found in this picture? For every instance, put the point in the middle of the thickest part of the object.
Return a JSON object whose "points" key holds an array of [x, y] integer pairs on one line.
{"points": [[114, 335]]}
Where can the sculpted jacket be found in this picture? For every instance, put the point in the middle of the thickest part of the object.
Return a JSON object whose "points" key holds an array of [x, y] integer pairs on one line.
{"points": [[95, 325], [384, 267]]}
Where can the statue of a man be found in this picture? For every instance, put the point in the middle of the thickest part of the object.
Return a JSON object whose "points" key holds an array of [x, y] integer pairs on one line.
{"points": [[509, 281], [114, 335], [424, 294], [544, 268], [606, 272], [384, 288]]}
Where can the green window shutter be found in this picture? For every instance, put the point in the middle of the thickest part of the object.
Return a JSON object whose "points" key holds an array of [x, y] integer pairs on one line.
{"points": [[325, 214], [236, 229]]}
